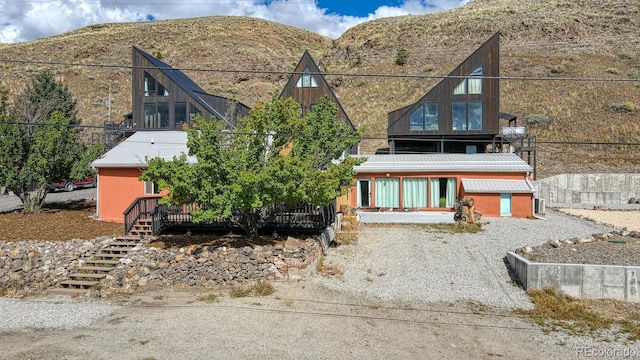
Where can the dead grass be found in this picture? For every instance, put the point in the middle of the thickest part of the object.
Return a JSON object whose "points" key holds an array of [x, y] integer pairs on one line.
{"points": [[326, 269], [555, 311], [260, 288], [456, 228], [57, 222]]}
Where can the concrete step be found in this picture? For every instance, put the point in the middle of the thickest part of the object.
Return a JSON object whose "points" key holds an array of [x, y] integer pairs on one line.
{"points": [[79, 284], [67, 291], [86, 276], [95, 269], [102, 262]]}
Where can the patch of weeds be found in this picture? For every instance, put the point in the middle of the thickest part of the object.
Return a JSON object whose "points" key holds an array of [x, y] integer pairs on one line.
{"points": [[477, 307], [327, 269], [368, 279], [374, 307], [256, 304], [143, 342], [260, 288], [457, 228], [158, 297], [288, 303], [559, 69], [555, 311], [149, 358], [240, 291], [208, 298], [347, 238], [401, 57], [614, 71], [263, 288]]}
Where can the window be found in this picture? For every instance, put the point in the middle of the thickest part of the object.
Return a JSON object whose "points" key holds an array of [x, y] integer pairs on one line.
{"points": [[192, 113], [414, 192], [425, 118], [306, 79], [152, 87], [156, 115], [151, 188], [466, 115], [387, 192], [443, 192], [471, 85], [180, 114]]}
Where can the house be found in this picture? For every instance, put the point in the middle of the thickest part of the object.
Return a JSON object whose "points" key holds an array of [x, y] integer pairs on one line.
{"points": [[165, 98], [307, 86], [459, 115], [499, 183], [118, 170]]}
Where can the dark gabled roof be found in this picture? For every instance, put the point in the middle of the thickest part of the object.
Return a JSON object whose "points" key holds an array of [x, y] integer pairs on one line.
{"points": [[307, 60], [183, 81], [452, 73]]}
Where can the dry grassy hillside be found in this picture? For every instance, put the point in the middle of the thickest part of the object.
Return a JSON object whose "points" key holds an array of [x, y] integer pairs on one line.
{"points": [[548, 40]]}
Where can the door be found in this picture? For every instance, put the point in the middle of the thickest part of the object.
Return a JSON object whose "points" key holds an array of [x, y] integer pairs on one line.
{"points": [[364, 193], [505, 204]]}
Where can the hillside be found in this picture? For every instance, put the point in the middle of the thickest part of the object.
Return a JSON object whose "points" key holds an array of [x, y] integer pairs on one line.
{"points": [[546, 40]]}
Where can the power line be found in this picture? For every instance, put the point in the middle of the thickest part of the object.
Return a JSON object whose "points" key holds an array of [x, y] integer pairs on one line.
{"points": [[281, 72]]}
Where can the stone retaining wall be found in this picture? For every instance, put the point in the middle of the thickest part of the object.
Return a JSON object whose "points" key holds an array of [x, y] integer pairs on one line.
{"points": [[30, 267]]}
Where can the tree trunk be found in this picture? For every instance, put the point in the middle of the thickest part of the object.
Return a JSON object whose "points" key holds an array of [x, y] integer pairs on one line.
{"points": [[32, 200]]}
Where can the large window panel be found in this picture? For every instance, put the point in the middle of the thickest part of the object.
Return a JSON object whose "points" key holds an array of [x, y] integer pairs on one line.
{"points": [[414, 192], [387, 192], [180, 114], [150, 116], [163, 115], [459, 115], [443, 192], [416, 120], [431, 116], [475, 115]]}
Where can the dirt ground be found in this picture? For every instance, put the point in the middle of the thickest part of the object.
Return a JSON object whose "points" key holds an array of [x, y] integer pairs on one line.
{"points": [[622, 218], [299, 321]]}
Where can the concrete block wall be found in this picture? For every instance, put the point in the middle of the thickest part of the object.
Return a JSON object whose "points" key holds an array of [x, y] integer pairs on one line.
{"points": [[579, 280], [588, 189]]}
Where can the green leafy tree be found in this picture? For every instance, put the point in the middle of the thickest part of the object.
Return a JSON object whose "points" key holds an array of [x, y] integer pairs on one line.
{"points": [[38, 139], [273, 156]]}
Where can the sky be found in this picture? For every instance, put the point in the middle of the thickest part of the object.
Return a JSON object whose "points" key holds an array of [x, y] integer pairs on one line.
{"points": [[24, 20]]}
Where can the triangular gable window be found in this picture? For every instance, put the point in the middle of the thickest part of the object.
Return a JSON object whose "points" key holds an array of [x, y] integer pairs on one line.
{"points": [[306, 80], [153, 87], [471, 85]]}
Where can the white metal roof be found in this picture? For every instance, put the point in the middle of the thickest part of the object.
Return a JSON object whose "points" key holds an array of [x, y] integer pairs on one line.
{"points": [[142, 145], [438, 162], [492, 186]]}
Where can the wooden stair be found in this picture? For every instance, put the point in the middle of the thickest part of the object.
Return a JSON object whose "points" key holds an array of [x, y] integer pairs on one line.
{"points": [[88, 277], [142, 227]]}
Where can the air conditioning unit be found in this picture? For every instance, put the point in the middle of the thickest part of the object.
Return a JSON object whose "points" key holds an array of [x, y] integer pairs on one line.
{"points": [[540, 206]]}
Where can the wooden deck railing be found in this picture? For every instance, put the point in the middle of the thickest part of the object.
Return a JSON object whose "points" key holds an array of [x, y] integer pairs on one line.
{"points": [[141, 207]]}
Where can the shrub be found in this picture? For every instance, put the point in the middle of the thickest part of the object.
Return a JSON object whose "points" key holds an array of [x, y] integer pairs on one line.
{"points": [[540, 120], [559, 69], [401, 57], [625, 107], [614, 71]]}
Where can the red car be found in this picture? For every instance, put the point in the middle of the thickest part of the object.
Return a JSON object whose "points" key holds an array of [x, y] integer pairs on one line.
{"points": [[71, 185]]}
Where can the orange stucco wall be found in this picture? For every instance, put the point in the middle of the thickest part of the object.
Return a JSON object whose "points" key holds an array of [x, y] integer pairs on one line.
{"points": [[117, 188], [488, 204]]}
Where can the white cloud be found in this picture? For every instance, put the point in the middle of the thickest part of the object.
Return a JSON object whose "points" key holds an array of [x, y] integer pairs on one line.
{"points": [[23, 21]]}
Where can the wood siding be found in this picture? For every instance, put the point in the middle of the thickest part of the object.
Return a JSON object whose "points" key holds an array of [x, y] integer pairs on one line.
{"points": [[486, 56]]}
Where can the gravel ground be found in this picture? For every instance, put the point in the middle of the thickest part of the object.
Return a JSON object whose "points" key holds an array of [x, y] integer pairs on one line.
{"points": [[51, 313], [413, 263]]}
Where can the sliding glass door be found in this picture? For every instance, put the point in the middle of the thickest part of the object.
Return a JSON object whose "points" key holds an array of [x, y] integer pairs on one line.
{"points": [[414, 192], [387, 192]]}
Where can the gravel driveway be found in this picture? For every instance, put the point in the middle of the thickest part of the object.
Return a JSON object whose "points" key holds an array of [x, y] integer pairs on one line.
{"points": [[414, 264]]}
